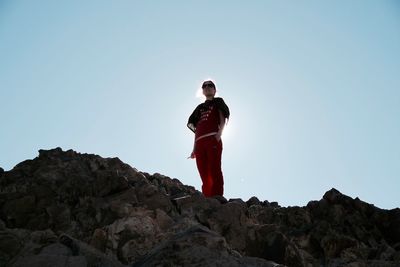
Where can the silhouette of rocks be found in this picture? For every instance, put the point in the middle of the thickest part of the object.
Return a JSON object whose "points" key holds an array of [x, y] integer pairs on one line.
{"points": [[65, 208]]}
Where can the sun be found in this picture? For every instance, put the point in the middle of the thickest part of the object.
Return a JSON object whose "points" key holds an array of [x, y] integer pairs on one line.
{"points": [[199, 94], [228, 131]]}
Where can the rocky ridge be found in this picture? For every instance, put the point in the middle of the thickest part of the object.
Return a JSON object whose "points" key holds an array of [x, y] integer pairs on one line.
{"points": [[65, 208]]}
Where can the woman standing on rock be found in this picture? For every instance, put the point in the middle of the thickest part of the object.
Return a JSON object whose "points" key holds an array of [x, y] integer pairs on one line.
{"points": [[207, 122]]}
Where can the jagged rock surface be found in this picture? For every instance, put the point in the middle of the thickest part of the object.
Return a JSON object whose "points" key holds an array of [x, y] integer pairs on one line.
{"points": [[64, 208]]}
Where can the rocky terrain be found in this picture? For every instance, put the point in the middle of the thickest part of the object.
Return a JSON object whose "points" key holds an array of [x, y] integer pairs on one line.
{"points": [[64, 208]]}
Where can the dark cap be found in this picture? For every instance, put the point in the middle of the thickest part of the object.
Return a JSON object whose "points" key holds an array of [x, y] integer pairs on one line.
{"points": [[208, 83]]}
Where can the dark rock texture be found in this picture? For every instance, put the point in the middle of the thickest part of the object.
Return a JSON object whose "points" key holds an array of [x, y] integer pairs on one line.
{"points": [[64, 208]]}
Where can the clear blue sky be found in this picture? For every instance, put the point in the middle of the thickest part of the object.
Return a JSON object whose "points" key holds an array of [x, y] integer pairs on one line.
{"points": [[313, 88]]}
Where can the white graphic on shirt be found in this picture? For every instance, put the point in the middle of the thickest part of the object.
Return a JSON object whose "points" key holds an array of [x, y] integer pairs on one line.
{"points": [[205, 113]]}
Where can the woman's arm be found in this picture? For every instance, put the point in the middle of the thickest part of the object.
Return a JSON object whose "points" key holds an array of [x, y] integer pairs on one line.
{"points": [[222, 121]]}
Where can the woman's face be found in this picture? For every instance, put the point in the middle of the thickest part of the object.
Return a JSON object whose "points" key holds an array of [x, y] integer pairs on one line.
{"points": [[209, 91]]}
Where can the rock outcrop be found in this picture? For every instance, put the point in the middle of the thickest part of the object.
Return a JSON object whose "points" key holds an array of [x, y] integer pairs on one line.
{"points": [[64, 208]]}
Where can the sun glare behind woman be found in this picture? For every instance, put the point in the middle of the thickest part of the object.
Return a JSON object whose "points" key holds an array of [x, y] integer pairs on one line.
{"points": [[227, 132], [199, 94]]}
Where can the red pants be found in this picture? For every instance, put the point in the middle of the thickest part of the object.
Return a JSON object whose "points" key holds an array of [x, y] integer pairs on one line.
{"points": [[208, 158]]}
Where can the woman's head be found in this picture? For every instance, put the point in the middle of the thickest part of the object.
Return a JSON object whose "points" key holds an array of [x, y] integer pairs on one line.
{"points": [[209, 89]]}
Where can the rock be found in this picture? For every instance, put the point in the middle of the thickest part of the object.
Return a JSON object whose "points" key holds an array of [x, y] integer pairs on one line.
{"points": [[197, 246], [253, 201], [10, 245], [65, 208], [59, 216], [333, 244], [2, 225], [163, 221], [42, 260], [266, 241], [56, 249], [20, 210], [134, 236], [229, 220], [99, 240], [92, 256], [192, 205], [333, 196], [43, 237], [221, 199], [391, 226], [37, 248], [152, 198], [237, 200], [122, 204], [172, 187]]}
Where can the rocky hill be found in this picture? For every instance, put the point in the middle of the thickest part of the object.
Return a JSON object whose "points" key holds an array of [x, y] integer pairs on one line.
{"points": [[64, 208]]}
